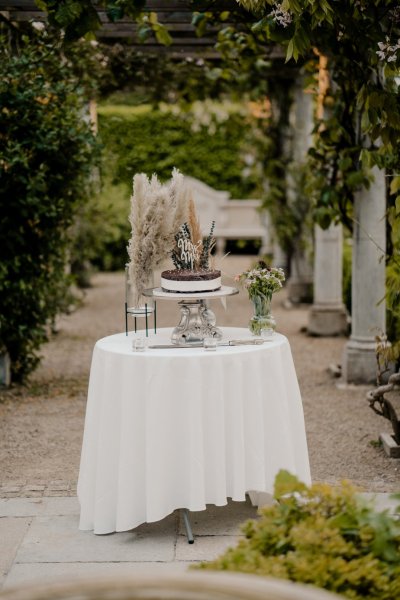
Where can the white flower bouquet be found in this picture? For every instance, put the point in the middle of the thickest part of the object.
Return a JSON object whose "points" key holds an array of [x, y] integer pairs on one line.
{"points": [[260, 283], [262, 280]]}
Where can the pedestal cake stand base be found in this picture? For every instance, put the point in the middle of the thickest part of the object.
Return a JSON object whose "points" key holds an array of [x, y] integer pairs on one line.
{"points": [[197, 320]]}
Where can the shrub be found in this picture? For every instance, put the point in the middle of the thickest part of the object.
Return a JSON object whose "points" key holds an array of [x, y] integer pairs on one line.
{"points": [[204, 142], [326, 536], [101, 232], [47, 153]]}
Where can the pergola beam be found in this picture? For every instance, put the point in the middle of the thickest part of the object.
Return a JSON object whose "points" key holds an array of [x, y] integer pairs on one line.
{"points": [[176, 15]]}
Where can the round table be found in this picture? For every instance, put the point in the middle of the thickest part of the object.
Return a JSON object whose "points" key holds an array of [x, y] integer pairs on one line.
{"points": [[181, 428]]}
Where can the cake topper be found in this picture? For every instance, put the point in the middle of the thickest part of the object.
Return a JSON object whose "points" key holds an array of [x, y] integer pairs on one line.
{"points": [[190, 253]]}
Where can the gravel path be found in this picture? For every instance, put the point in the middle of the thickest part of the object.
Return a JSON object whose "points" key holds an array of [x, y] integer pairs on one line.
{"points": [[41, 426]]}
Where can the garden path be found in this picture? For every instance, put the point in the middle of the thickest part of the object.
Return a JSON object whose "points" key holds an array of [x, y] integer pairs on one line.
{"points": [[41, 425]]}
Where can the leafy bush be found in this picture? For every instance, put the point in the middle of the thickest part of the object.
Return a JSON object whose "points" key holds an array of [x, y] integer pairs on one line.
{"points": [[204, 142], [321, 535], [100, 232], [47, 153]]}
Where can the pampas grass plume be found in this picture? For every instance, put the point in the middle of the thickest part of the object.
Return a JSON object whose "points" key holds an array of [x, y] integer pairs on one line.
{"points": [[157, 213]]}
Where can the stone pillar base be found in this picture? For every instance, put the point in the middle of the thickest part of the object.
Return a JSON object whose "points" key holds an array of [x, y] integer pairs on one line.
{"points": [[359, 362], [327, 321]]}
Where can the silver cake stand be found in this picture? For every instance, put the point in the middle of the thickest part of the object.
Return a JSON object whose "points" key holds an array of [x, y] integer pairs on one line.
{"points": [[197, 319]]}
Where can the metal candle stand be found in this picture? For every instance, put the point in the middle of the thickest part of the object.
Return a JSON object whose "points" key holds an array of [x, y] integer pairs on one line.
{"points": [[140, 313], [144, 311]]}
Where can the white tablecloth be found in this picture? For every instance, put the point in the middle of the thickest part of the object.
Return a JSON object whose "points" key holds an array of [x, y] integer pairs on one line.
{"points": [[182, 428]]}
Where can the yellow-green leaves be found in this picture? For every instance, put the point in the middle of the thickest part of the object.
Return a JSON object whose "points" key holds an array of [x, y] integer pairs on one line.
{"points": [[322, 535]]}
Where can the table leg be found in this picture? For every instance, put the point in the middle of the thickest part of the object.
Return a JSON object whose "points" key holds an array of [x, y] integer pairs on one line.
{"points": [[188, 527]]}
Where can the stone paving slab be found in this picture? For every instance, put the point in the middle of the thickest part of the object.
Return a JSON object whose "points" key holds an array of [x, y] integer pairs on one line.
{"points": [[40, 540], [33, 507], [12, 532], [383, 502], [57, 539], [205, 547]]}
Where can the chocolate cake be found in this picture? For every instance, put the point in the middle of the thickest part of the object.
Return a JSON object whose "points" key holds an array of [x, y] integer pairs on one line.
{"points": [[188, 281]]}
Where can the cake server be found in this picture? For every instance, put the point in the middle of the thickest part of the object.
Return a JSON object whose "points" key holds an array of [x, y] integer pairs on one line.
{"points": [[252, 342]]}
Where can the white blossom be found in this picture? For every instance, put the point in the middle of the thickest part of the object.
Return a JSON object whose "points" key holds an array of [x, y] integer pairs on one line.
{"points": [[262, 280], [280, 16], [388, 52], [38, 25]]}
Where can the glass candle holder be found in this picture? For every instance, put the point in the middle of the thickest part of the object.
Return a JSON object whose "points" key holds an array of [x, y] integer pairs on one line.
{"points": [[210, 343], [139, 344]]}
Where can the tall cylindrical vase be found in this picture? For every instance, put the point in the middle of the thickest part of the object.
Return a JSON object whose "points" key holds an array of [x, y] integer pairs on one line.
{"points": [[140, 307], [262, 323]]}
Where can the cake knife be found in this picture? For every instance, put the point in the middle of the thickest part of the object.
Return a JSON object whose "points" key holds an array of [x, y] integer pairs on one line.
{"points": [[252, 342]]}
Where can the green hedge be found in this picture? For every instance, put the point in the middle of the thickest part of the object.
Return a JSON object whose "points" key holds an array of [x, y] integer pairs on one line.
{"points": [[47, 157], [139, 139]]}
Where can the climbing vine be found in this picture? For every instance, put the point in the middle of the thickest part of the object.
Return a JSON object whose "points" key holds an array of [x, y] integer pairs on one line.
{"points": [[360, 124]]}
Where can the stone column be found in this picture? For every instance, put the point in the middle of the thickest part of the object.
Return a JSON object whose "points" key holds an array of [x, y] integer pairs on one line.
{"points": [[299, 284], [328, 313], [368, 282], [279, 256]]}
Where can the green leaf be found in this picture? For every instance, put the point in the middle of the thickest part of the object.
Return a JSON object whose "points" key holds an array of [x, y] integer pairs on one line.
{"points": [[153, 18], [286, 483], [345, 522], [162, 35], [366, 158], [397, 205], [197, 18], [259, 25], [289, 51], [345, 163], [395, 184], [143, 32], [114, 12]]}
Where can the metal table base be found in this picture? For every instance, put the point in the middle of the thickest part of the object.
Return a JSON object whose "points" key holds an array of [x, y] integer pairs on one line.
{"points": [[188, 527]]}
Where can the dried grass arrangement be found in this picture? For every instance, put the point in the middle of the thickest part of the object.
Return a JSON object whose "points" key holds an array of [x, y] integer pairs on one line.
{"points": [[157, 213]]}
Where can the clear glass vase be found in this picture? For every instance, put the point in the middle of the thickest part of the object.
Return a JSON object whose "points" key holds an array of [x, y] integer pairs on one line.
{"points": [[142, 306], [262, 323]]}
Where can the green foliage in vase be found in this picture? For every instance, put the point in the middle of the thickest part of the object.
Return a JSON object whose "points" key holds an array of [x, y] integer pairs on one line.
{"points": [[326, 536], [47, 155]]}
